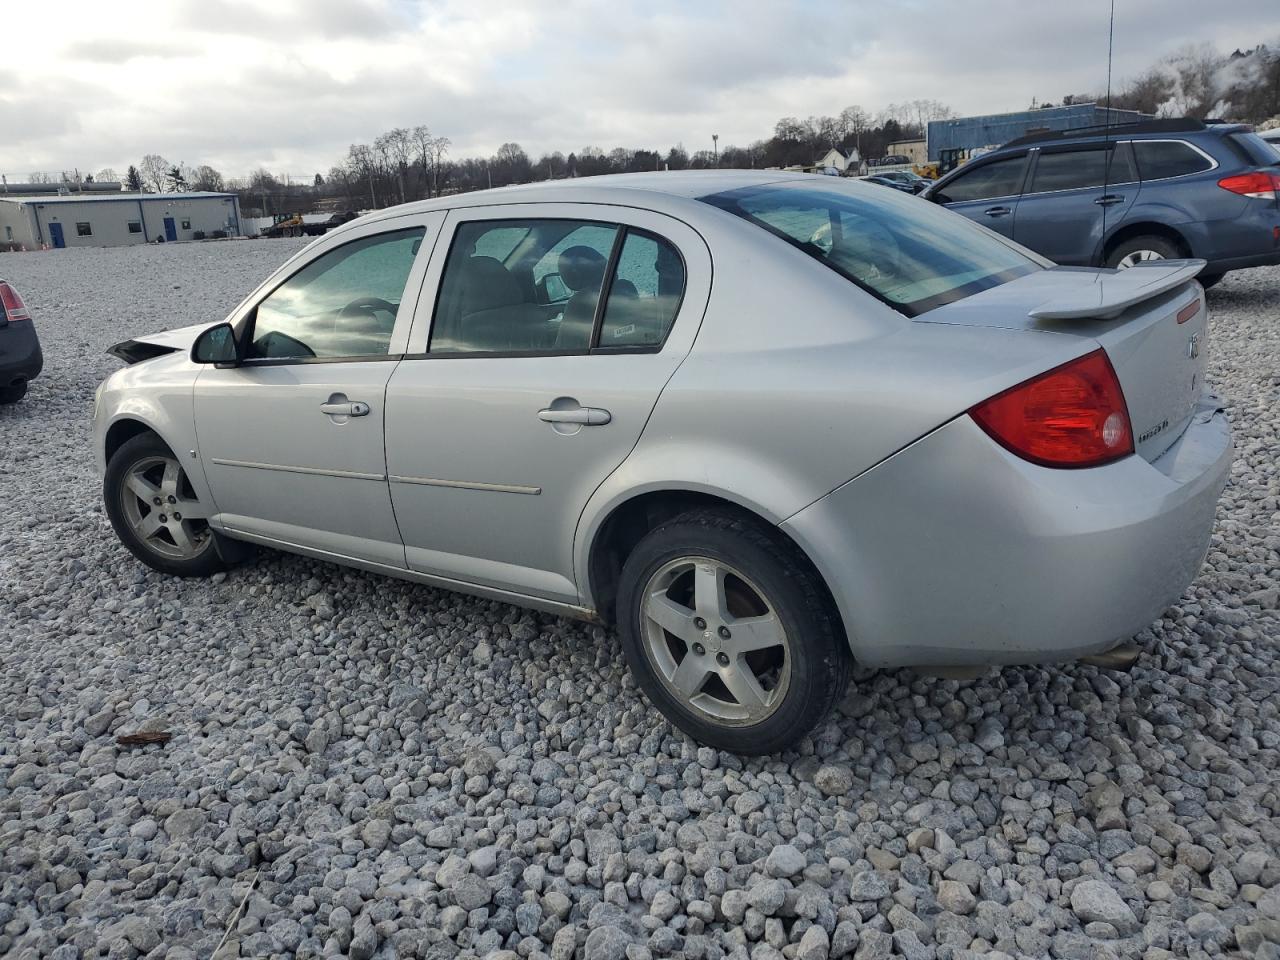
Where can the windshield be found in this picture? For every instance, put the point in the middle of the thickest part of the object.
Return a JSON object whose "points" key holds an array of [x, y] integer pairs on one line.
{"points": [[906, 251]]}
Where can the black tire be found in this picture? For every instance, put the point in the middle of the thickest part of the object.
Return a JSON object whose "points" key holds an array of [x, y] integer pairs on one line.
{"points": [[146, 446], [1208, 280], [1167, 249], [14, 392], [818, 654]]}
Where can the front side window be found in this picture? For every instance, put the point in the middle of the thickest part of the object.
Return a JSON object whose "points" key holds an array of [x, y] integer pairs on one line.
{"points": [[1162, 159], [343, 304], [1082, 167], [540, 298], [999, 178], [912, 255], [83, 229]]}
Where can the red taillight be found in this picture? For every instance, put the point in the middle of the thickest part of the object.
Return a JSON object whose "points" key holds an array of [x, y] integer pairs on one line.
{"points": [[12, 303], [1072, 416], [1259, 184]]}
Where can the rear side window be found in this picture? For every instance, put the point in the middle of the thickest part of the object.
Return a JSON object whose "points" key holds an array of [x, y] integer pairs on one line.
{"points": [[999, 178], [1162, 159], [542, 300], [645, 293], [914, 256], [1086, 167]]}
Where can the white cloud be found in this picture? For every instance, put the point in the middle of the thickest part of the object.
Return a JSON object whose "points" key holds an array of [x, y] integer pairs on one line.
{"points": [[288, 85]]}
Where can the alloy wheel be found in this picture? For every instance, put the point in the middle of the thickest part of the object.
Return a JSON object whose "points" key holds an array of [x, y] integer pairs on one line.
{"points": [[715, 641], [163, 511], [1138, 256]]}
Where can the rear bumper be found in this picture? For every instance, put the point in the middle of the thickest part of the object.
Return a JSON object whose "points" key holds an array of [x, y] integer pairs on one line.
{"points": [[954, 552], [1241, 263], [20, 356]]}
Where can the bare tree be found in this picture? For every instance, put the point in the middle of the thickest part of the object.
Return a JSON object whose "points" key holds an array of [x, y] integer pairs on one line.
{"points": [[396, 148], [205, 177], [39, 177], [155, 171]]}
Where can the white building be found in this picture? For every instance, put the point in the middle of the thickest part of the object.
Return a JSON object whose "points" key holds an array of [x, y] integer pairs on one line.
{"points": [[115, 219], [847, 163]]}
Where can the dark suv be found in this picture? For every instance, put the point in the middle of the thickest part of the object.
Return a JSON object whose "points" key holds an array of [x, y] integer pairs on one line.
{"points": [[1145, 191]]}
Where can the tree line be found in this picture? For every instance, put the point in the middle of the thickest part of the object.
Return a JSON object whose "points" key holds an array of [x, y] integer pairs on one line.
{"points": [[413, 163]]}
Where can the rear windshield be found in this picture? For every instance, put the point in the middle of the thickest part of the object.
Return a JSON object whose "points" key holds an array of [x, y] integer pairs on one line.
{"points": [[902, 249]]}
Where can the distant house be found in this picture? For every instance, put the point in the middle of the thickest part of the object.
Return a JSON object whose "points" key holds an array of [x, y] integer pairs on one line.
{"points": [[850, 163]]}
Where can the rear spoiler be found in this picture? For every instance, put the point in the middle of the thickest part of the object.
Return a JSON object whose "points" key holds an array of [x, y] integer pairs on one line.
{"points": [[1115, 291]]}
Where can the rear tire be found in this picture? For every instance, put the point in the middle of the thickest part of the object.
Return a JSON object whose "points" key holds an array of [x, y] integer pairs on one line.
{"points": [[156, 513], [14, 392], [747, 656], [1137, 249]]}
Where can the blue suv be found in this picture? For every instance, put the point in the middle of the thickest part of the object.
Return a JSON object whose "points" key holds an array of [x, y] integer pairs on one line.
{"points": [[1159, 189]]}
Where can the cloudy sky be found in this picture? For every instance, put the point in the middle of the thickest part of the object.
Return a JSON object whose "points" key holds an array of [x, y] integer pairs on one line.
{"points": [[288, 84]]}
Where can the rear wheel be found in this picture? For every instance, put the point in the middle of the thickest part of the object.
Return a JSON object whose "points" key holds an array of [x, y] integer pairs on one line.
{"points": [[1140, 249], [155, 511], [14, 392], [729, 633]]}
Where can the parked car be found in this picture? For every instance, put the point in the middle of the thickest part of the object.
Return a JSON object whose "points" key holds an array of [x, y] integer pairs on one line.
{"points": [[903, 180], [890, 182], [20, 358], [1147, 191], [882, 435]]}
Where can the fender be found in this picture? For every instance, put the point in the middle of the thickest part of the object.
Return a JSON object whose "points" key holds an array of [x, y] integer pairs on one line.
{"points": [[1170, 216], [166, 407]]}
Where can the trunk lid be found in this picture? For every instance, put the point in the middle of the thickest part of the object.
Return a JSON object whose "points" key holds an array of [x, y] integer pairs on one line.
{"points": [[1150, 319]]}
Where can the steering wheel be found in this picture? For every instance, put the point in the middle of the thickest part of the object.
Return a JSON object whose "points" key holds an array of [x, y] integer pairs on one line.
{"points": [[368, 305]]}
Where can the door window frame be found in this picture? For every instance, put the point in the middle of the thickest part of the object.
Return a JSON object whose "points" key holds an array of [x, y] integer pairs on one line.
{"points": [[1023, 155], [244, 316], [1037, 152], [626, 219]]}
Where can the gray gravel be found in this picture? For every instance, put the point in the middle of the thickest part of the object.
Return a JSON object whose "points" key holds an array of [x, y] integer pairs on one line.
{"points": [[365, 767]]}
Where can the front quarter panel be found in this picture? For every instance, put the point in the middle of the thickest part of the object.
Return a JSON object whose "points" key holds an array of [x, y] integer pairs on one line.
{"points": [[158, 394]]}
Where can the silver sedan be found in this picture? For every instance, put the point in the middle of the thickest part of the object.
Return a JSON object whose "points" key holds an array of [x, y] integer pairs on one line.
{"points": [[768, 425]]}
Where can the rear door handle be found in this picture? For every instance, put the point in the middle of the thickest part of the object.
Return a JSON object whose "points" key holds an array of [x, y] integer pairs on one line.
{"points": [[1109, 200], [587, 416], [355, 408], [998, 211]]}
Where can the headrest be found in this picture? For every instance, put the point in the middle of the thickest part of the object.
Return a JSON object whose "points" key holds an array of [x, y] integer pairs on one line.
{"points": [[581, 268]]}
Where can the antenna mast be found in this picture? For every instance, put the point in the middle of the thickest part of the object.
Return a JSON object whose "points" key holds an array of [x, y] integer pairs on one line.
{"points": [[1107, 156]]}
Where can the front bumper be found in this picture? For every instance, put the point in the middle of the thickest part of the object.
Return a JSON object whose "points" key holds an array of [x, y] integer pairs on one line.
{"points": [[20, 356], [955, 552]]}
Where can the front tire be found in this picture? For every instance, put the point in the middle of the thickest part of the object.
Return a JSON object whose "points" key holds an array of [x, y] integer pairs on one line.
{"points": [[156, 513], [730, 633], [1139, 249]]}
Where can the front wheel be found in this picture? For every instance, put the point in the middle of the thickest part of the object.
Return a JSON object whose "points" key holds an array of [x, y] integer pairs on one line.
{"points": [[155, 511], [729, 633]]}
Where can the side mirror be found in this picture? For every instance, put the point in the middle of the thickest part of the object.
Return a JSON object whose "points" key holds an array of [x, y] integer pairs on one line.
{"points": [[216, 345]]}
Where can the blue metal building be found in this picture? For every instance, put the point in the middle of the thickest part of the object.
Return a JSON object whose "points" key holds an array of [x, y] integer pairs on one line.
{"points": [[970, 133]]}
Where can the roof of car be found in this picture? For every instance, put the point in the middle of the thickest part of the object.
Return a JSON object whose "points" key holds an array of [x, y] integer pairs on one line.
{"points": [[614, 187]]}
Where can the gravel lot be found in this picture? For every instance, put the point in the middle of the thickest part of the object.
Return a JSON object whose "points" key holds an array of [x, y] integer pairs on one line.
{"points": [[374, 768]]}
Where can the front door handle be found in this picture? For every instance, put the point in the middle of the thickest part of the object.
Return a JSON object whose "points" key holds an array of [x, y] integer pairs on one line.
{"points": [[1109, 200], [998, 211], [354, 408], [586, 416]]}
